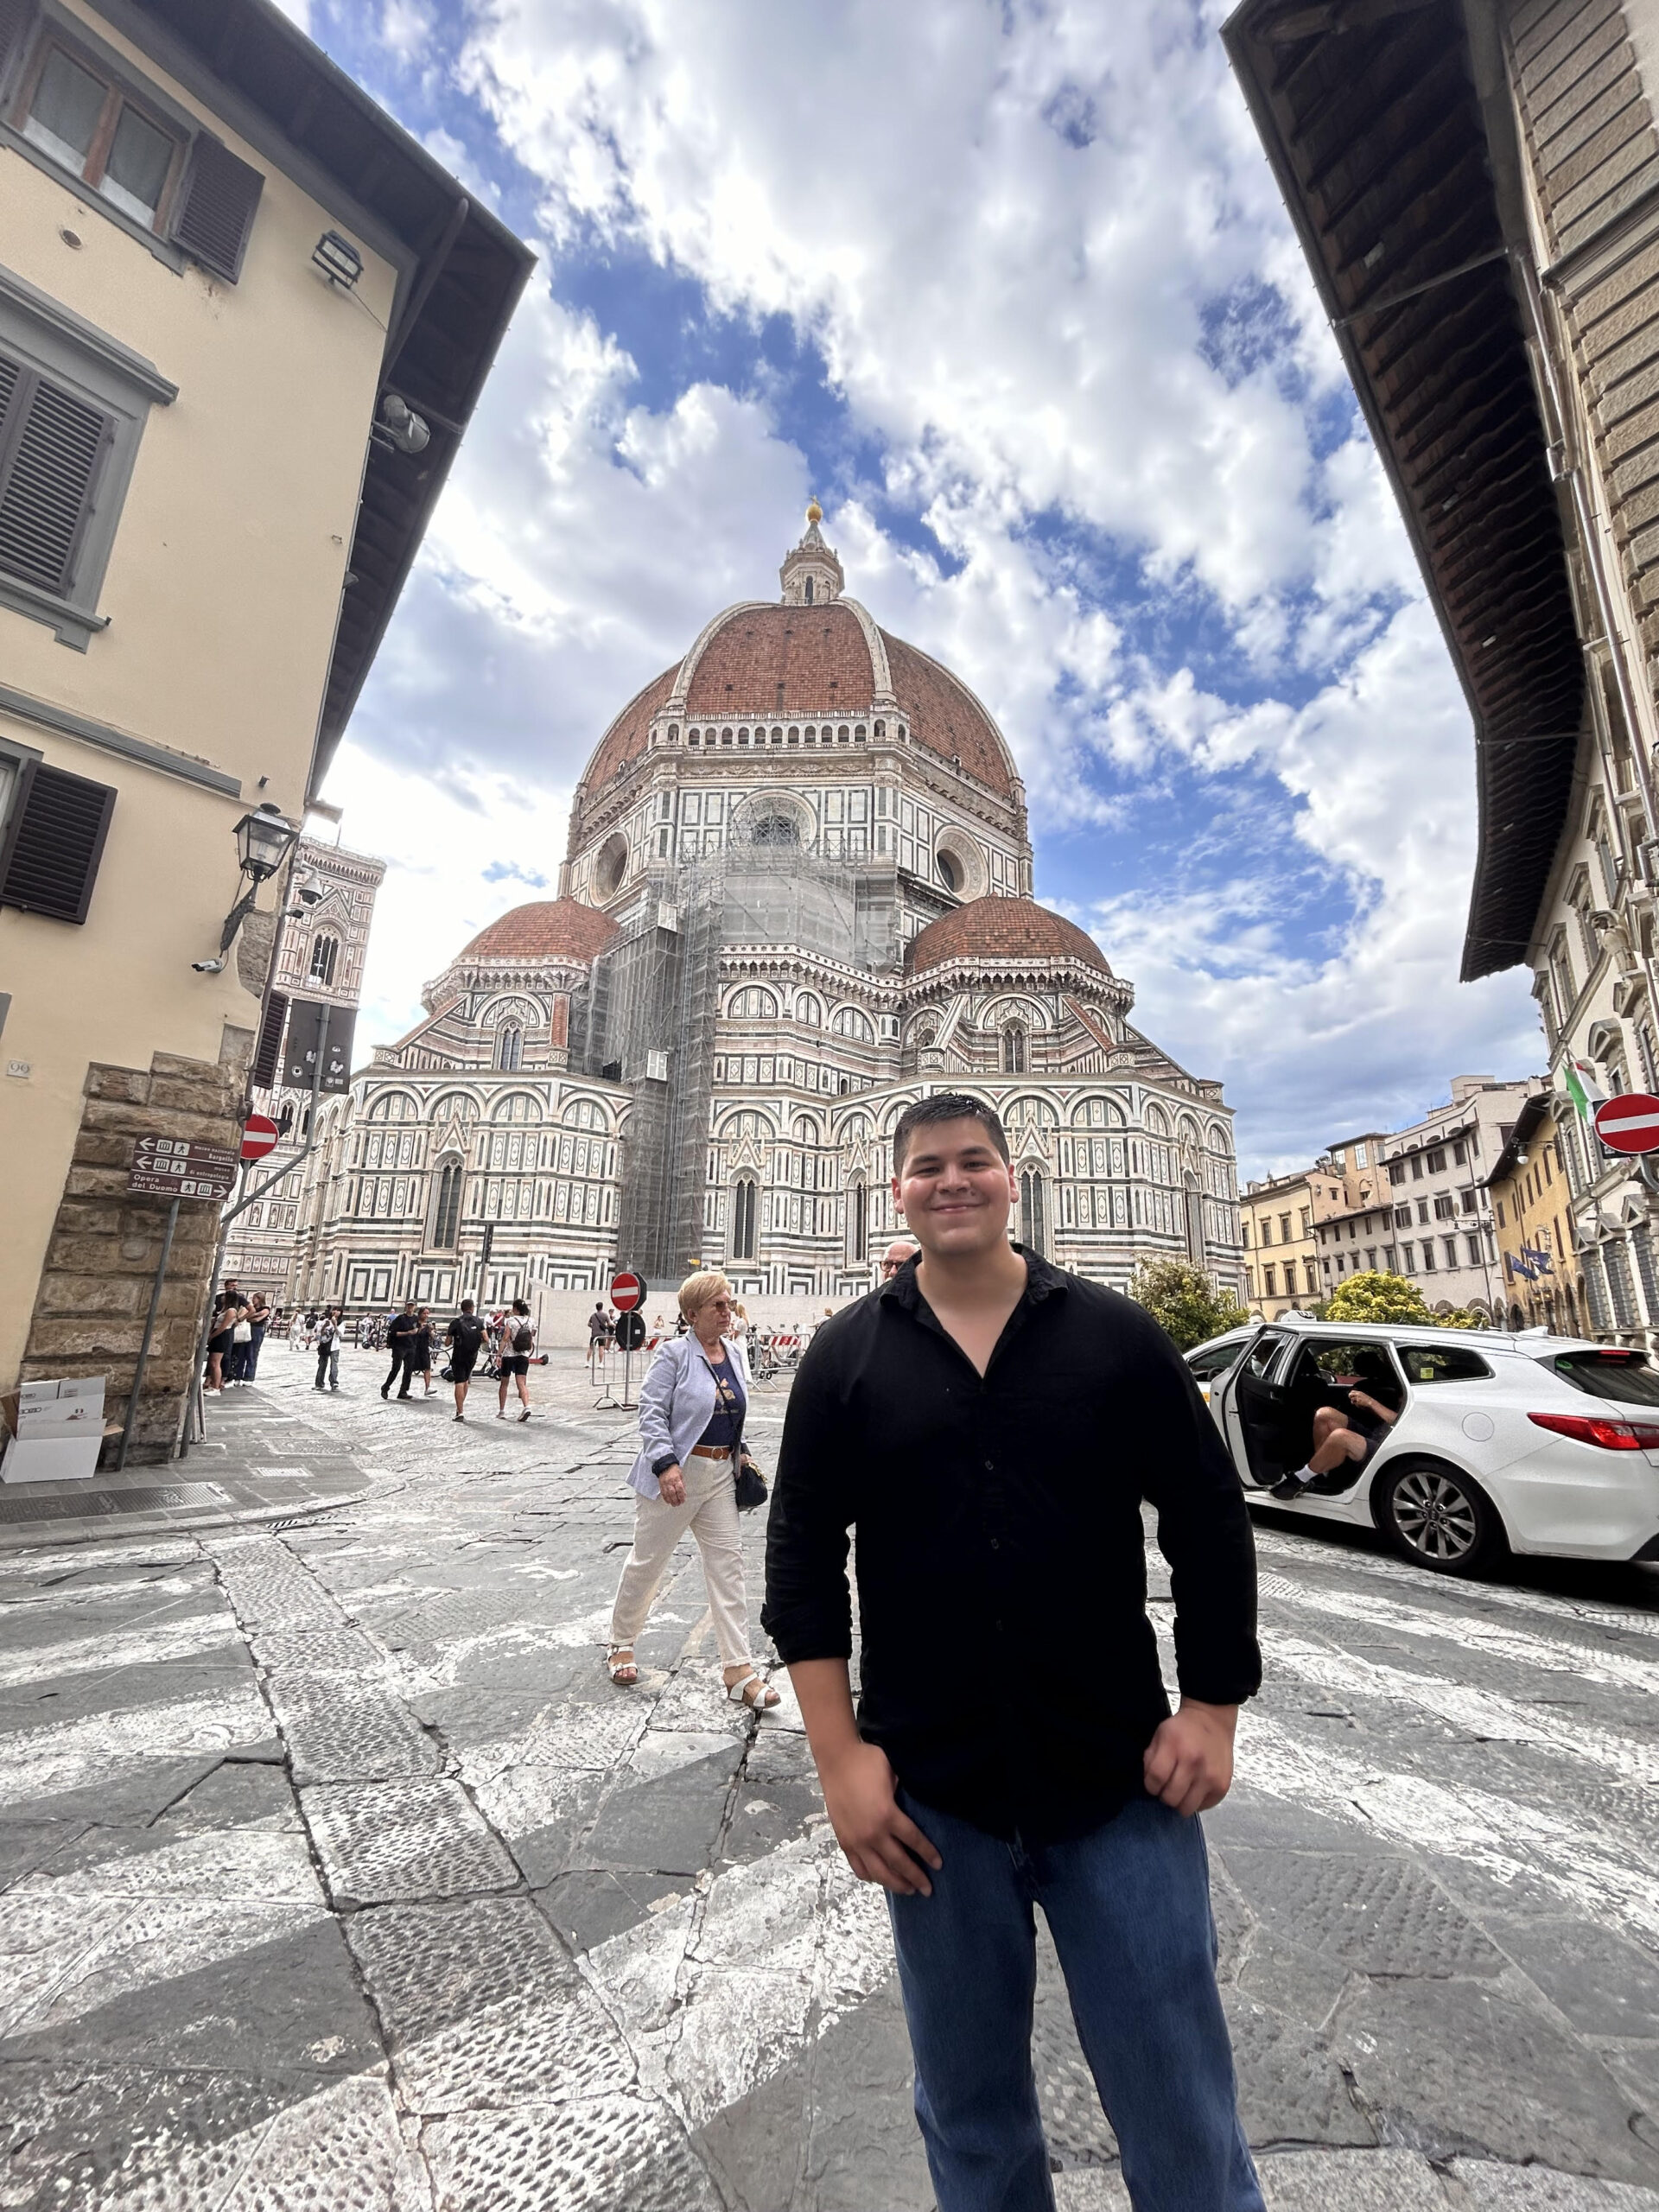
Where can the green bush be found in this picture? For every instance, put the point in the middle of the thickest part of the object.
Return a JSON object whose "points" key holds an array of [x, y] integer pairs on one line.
{"points": [[1184, 1302], [1374, 1297]]}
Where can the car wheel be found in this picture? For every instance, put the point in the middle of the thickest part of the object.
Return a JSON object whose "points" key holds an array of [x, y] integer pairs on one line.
{"points": [[1435, 1517]]}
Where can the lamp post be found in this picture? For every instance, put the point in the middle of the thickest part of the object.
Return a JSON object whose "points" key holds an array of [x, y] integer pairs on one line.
{"points": [[263, 840]]}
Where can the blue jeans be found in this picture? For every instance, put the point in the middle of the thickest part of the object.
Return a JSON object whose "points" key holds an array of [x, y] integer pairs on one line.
{"points": [[1128, 1907]]}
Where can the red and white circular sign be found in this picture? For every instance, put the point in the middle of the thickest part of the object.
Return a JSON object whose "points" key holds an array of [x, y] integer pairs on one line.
{"points": [[627, 1290], [261, 1135], [1630, 1123]]}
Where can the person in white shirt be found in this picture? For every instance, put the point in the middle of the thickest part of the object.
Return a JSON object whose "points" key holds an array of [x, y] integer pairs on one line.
{"points": [[518, 1342]]}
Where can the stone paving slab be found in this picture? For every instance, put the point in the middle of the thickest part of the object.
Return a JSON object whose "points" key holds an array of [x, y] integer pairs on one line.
{"points": [[597, 1947]]}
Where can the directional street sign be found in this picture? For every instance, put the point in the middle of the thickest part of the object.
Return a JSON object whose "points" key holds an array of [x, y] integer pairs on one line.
{"points": [[167, 1167], [260, 1136], [1630, 1123], [627, 1289]]}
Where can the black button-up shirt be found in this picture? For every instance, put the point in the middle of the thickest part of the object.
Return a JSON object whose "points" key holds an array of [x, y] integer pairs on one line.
{"points": [[1008, 1668]]}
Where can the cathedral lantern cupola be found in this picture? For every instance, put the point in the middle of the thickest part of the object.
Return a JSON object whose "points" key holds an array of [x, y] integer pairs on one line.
{"points": [[811, 574]]}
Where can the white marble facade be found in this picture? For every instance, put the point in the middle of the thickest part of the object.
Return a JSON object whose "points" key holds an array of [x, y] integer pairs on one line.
{"points": [[796, 894]]}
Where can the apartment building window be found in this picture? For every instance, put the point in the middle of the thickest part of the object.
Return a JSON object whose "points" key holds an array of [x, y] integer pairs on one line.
{"points": [[1284, 1228], [1244, 1233], [1402, 1216], [1396, 1171], [1408, 1258], [81, 113], [1416, 1166], [1270, 1281], [1308, 1221], [1470, 1203], [53, 830], [1267, 1228], [1388, 1257], [1370, 1257], [1310, 1278], [1437, 1160], [1473, 1243], [1444, 1207], [1451, 1243], [1428, 1256], [1562, 979]]}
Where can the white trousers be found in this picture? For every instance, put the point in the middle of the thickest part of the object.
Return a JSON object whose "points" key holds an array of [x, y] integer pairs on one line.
{"points": [[711, 1513]]}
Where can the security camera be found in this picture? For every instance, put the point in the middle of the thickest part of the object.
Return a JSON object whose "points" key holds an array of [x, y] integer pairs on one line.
{"points": [[310, 895], [208, 967]]}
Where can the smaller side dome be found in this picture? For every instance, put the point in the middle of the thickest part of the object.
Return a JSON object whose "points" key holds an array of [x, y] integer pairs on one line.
{"points": [[998, 930], [547, 929]]}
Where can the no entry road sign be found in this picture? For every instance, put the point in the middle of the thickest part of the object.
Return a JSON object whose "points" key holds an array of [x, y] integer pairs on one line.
{"points": [[167, 1167], [626, 1291], [1630, 1123], [260, 1136], [630, 1331]]}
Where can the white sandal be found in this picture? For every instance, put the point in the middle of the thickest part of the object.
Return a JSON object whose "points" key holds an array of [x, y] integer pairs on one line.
{"points": [[737, 1693], [620, 1667]]}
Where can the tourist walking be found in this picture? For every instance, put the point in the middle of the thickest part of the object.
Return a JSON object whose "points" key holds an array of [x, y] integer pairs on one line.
{"points": [[465, 1338], [518, 1343], [331, 1334], [691, 1411], [989, 1426], [598, 1334], [401, 1333], [420, 1358]]}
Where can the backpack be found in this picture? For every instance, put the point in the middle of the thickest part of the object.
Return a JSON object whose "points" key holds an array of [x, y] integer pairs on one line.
{"points": [[522, 1336]]}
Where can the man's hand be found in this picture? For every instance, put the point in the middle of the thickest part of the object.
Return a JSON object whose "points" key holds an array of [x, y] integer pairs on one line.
{"points": [[1189, 1762], [877, 1838], [671, 1483]]}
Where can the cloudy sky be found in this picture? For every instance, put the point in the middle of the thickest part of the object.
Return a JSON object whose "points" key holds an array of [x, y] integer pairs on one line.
{"points": [[1007, 283]]}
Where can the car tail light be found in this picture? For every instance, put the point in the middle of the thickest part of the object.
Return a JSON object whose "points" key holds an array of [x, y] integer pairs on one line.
{"points": [[1596, 1428]]}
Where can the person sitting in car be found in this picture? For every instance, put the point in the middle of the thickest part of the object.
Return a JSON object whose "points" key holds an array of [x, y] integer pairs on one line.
{"points": [[1346, 1438]]}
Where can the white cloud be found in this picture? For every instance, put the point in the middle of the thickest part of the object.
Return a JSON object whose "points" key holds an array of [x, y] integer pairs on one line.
{"points": [[1040, 251]]}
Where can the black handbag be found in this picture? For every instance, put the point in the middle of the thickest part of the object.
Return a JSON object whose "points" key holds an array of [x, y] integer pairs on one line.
{"points": [[750, 1486]]}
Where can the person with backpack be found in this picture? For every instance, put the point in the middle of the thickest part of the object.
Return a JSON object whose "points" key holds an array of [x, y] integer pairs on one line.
{"points": [[518, 1342], [331, 1334], [465, 1338]]}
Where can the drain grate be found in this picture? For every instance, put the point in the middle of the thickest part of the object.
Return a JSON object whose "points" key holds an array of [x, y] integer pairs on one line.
{"points": [[142, 1499]]}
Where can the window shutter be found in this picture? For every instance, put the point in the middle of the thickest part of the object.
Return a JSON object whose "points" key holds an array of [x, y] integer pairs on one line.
{"points": [[267, 1053], [52, 448], [15, 17], [216, 207], [48, 862]]}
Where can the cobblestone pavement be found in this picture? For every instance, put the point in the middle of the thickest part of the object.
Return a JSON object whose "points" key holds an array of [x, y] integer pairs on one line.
{"points": [[335, 1870]]}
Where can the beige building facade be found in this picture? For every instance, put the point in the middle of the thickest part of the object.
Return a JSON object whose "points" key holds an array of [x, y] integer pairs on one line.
{"points": [[1531, 1201], [1282, 1253], [227, 283]]}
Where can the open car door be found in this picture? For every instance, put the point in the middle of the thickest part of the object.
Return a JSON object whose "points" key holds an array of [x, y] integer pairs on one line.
{"points": [[1257, 1416]]}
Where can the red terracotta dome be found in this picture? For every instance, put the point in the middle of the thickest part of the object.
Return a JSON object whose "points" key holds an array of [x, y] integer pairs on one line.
{"points": [[548, 928], [1000, 930], [763, 660]]}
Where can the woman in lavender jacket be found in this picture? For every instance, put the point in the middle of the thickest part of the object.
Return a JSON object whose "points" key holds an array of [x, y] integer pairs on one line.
{"points": [[691, 1411]]}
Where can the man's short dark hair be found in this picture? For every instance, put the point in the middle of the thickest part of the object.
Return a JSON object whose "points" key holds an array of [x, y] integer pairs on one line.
{"points": [[465, 1305], [946, 1106]]}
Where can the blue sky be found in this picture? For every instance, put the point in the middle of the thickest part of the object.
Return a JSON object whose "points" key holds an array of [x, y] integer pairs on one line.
{"points": [[1008, 284]]}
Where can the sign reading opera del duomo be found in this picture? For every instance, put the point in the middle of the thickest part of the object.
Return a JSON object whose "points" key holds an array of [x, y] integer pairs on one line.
{"points": [[796, 895]]}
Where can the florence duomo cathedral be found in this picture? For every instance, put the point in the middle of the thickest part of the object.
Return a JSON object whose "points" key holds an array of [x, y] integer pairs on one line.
{"points": [[795, 895]]}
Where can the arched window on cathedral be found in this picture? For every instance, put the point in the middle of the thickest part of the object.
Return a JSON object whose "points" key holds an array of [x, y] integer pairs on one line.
{"points": [[1013, 1050], [743, 1219], [509, 1047], [858, 1222], [325, 954], [1033, 1209], [446, 1216], [809, 591]]}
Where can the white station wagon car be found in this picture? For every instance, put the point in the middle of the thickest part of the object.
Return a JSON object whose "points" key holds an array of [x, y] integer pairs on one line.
{"points": [[1541, 1443]]}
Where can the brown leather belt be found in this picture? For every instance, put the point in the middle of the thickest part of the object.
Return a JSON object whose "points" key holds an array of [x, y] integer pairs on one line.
{"points": [[711, 1450]]}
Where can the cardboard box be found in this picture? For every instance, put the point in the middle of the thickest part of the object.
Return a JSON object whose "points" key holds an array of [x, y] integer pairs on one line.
{"points": [[72, 1407], [51, 1459]]}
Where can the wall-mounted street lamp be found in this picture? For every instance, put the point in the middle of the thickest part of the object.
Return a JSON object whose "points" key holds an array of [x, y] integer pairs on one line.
{"points": [[402, 426], [263, 840], [337, 258]]}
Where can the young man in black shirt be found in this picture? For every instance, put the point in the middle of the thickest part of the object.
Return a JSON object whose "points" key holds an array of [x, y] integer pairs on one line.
{"points": [[989, 1425], [463, 1336]]}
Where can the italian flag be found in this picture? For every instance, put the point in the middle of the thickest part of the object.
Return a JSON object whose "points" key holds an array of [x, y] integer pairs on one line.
{"points": [[1583, 1089]]}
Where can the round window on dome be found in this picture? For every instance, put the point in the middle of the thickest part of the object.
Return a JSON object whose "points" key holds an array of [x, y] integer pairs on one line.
{"points": [[776, 830], [949, 875], [611, 864]]}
